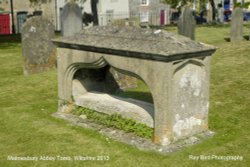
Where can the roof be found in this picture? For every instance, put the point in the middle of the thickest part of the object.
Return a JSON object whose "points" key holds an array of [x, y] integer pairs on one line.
{"points": [[135, 42]]}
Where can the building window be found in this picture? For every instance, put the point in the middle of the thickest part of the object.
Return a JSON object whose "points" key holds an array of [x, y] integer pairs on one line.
{"points": [[144, 16], [109, 16], [144, 2]]}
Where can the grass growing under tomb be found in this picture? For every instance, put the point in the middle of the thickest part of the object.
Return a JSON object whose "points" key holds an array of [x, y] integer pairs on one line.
{"points": [[27, 102], [116, 121]]}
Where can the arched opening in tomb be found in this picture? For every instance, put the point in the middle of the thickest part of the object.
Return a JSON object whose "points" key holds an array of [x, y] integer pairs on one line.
{"points": [[109, 90]]}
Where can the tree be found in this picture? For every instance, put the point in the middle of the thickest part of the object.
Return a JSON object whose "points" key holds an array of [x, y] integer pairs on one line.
{"points": [[180, 3], [94, 11], [213, 8]]}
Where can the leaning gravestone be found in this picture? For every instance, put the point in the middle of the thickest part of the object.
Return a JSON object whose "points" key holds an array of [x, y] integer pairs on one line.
{"points": [[236, 25], [71, 19], [38, 50], [187, 23]]}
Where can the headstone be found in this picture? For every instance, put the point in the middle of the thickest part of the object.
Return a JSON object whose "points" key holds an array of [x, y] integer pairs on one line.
{"points": [[237, 25], [38, 50], [209, 13], [187, 23], [220, 15], [71, 19]]}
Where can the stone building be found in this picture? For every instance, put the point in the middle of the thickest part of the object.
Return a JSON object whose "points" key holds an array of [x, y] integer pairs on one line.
{"points": [[25, 6], [153, 12], [50, 9], [110, 10]]}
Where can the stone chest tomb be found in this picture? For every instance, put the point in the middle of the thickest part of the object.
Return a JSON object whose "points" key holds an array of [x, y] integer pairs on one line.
{"points": [[175, 68]]}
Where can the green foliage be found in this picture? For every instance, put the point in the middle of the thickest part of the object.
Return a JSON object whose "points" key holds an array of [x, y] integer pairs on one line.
{"points": [[246, 5], [180, 3], [175, 3], [239, 4], [116, 121]]}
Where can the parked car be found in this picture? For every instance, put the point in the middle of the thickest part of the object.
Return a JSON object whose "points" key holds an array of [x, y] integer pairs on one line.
{"points": [[200, 17], [246, 16], [227, 15], [174, 17]]}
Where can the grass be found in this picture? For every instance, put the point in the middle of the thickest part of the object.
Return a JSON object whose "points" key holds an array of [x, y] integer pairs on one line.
{"points": [[28, 129], [116, 121]]}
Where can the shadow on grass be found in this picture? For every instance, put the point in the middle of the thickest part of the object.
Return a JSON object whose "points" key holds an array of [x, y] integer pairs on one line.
{"points": [[16, 38], [227, 39], [246, 37], [8, 41]]}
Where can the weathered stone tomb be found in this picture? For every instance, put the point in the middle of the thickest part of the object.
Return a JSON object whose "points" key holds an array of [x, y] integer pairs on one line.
{"points": [[175, 68]]}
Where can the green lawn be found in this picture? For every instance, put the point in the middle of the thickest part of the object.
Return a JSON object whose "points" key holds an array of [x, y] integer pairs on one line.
{"points": [[28, 129]]}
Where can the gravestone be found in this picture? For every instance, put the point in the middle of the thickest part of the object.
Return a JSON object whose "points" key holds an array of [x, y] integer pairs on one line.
{"points": [[71, 19], [237, 25], [187, 23], [220, 15], [37, 49], [209, 13]]}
